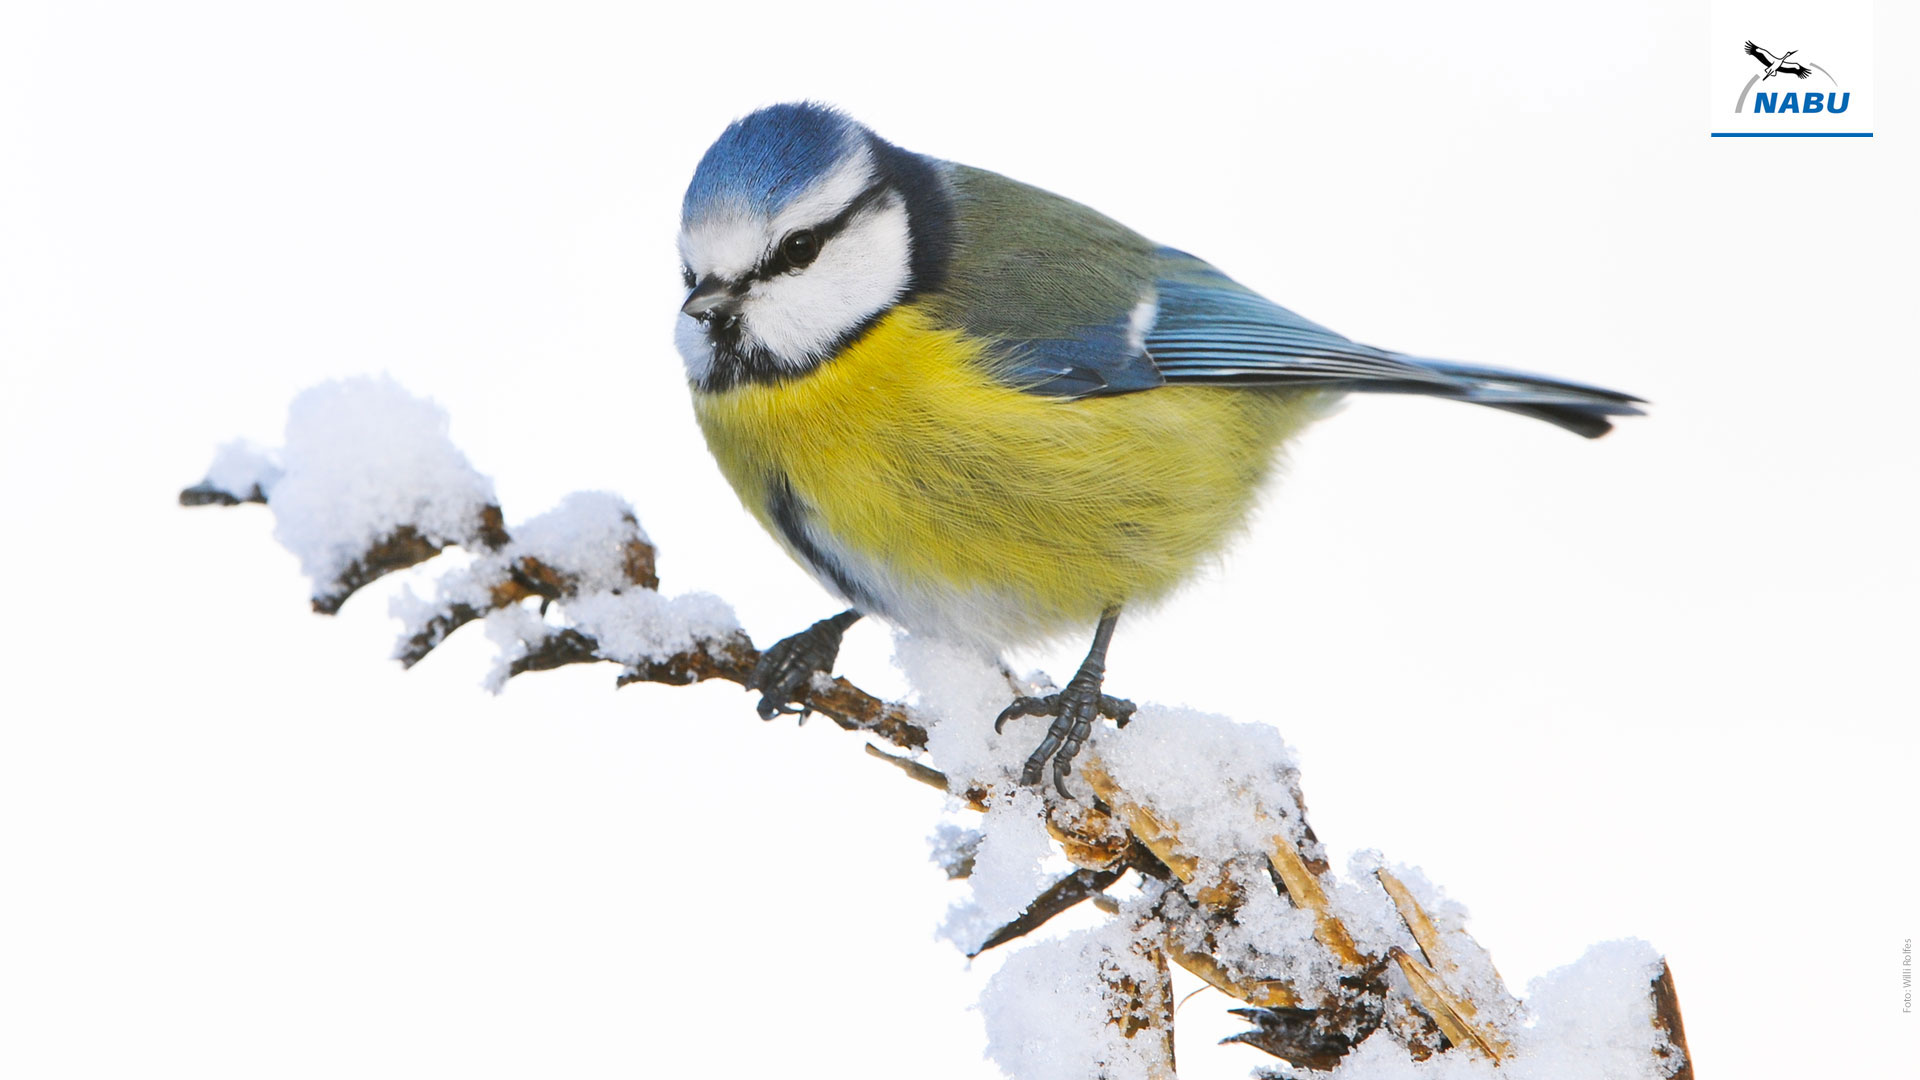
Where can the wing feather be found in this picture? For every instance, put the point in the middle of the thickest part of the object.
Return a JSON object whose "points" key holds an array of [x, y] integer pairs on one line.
{"points": [[1211, 329]]}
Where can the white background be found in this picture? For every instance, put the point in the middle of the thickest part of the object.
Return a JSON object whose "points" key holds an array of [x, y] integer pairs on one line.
{"points": [[1660, 685]]}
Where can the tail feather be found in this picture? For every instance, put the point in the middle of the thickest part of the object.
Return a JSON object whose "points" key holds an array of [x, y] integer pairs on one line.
{"points": [[1577, 407], [1589, 423]]}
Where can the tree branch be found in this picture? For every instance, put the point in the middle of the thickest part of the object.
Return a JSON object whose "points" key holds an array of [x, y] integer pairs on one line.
{"points": [[1434, 993]]}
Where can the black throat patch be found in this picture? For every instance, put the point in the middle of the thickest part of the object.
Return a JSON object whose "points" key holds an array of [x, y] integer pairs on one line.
{"points": [[735, 362]]}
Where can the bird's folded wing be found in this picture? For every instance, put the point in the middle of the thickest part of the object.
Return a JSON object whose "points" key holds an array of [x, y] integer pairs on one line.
{"points": [[1078, 306], [1097, 359], [1211, 329], [1184, 321]]}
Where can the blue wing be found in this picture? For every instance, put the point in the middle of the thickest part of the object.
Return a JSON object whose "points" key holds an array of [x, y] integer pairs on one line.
{"points": [[1171, 318], [1105, 358], [1211, 329]]}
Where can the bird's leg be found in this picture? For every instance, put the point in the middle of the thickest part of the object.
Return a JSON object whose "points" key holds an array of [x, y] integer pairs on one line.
{"points": [[1073, 709], [788, 665]]}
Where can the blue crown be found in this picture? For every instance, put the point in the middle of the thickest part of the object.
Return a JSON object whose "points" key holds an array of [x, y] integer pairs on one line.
{"points": [[765, 159]]}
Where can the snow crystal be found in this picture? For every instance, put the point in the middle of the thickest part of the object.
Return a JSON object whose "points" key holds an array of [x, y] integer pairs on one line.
{"points": [[587, 537], [241, 467], [640, 625], [1229, 790], [1046, 1008], [470, 586], [1596, 1015], [631, 627], [1365, 909], [1589, 1020], [1474, 977], [1006, 870], [515, 630], [589, 542], [1231, 787], [1271, 938], [362, 458], [1446, 912], [959, 693], [954, 848], [416, 613]]}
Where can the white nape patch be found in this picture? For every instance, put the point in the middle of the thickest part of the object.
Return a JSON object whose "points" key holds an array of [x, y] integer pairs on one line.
{"points": [[796, 317], [1144, 315]]}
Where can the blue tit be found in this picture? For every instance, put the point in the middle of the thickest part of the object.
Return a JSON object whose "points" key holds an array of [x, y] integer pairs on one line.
{"points": [[981, 411]]}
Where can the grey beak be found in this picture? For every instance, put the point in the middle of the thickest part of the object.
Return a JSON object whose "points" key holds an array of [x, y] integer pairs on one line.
{"points": [[711, 297]]}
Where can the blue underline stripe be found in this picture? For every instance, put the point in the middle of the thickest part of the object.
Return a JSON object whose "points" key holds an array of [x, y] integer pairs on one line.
{"points": [[1792, 134]]}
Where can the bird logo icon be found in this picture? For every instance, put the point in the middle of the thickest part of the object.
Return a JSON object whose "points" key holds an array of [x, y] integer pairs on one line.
{"points": [[1789, 101], [1778, 65]]}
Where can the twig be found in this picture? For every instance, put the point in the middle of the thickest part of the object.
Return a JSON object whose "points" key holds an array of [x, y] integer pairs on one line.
{"points": [[1198, 898], [1060, 896]]}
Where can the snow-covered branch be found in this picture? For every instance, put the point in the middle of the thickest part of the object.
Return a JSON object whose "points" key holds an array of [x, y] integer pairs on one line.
{"points": [[1189, 830]]}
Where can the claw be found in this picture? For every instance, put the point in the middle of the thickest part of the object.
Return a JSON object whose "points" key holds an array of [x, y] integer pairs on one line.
{"points": [[1030, 772], [784, 671], [768, 708], [1074, 710], [1023, 706]]}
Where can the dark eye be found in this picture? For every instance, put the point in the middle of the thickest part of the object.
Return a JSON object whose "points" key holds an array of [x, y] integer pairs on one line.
{"points": [[686, 275], [800, 247]]}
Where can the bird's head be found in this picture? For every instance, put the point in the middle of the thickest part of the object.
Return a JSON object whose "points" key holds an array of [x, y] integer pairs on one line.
{"points": [[801, 227]]}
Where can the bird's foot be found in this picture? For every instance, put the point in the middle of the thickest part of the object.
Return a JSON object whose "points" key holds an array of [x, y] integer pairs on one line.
{"points": [[787, 668], [1074, 711]]}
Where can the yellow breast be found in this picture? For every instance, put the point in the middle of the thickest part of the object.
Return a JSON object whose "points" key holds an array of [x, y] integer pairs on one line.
{"points": [[950, 504]]}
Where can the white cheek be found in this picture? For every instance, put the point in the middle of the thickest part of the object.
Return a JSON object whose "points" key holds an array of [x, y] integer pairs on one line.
{"points": [[695, 350], [861, 272]]}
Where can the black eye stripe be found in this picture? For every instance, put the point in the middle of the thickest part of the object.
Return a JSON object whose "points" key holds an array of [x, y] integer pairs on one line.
{"points": [[777, 263]]}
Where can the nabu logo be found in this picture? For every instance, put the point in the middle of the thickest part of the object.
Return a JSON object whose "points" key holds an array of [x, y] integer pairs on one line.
{"points": [[1790, 101]]}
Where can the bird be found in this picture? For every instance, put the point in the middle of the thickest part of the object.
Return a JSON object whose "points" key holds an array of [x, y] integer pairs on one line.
{"points": [[1777, 65], [983, 412]]}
